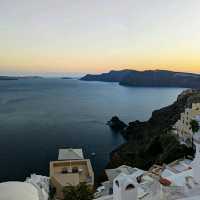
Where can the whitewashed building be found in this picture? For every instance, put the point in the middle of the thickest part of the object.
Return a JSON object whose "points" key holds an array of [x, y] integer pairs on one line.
{"points": [[179, 180], [182, 126], [34, 188], [124, 188]]}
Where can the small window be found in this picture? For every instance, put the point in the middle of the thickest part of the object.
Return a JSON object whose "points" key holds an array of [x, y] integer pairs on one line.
{"points": [[117, 183], [75, 170], [130, 187], [64, 171]]}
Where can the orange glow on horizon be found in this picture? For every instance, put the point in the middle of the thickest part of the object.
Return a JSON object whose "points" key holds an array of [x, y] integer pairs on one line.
{"points": [[98, 36], [96, 65]]}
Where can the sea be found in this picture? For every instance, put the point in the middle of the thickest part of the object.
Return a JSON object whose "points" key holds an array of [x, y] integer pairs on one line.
{"points": [[39, 116]]}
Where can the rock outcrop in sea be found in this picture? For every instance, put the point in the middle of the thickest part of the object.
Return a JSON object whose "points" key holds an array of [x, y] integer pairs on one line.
{"points": [[116, 124]]}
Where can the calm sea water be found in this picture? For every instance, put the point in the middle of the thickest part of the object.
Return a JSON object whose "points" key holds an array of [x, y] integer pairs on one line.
{"points": [[37, 117]]}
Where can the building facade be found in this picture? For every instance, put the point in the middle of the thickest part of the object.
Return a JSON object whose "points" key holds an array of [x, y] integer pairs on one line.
{"points": [[182, 126], [70, 169]]}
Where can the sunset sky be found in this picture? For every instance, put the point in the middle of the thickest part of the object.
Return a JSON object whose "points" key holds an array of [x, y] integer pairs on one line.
{"points": [[93, 36]]}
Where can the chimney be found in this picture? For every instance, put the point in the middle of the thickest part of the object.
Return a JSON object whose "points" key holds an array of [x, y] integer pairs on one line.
{"points": [[124, 188]]}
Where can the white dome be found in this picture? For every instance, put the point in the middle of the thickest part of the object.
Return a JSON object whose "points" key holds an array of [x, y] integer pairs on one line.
{"points": [[18, 191]]}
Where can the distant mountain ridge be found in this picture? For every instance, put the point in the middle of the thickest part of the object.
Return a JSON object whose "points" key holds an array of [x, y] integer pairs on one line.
{"points": [[148, 78]]}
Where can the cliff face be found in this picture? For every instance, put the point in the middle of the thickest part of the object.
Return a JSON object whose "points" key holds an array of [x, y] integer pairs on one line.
{"points": [[151, 141], [149, 78]]}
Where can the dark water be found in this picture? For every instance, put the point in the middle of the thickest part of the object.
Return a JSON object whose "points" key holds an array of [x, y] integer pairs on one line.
{"points": [[37, 117]]}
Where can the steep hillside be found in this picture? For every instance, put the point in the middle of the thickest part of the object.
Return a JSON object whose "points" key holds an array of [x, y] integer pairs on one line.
{"points": [[151, 141]]}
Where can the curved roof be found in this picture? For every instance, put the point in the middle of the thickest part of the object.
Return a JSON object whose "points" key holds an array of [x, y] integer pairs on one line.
{"points": [[18, 191]]}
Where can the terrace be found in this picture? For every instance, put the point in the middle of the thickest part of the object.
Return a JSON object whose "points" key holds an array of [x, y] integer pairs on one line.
{"points": [[71, 172]]}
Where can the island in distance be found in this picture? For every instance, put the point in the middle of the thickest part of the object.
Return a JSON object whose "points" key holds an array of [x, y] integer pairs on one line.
{"points": [[7, 78], [148, 78], [13, 78], [67, 78]]}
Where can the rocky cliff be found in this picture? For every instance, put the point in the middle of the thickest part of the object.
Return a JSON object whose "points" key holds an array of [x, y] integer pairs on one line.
{"points": [[152, 141]]}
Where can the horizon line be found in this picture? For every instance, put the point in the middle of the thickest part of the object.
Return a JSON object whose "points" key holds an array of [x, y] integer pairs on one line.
{"points": [[79, 74]]}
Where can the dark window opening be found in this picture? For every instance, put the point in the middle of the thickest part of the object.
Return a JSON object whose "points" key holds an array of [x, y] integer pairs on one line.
{"points": [[130, 187], [117, 183]]}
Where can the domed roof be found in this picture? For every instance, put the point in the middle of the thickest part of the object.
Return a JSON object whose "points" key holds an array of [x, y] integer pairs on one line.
{"points": [[18, 191]]}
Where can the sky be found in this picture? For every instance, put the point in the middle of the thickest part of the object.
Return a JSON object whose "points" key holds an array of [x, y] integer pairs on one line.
{"points": [[93, 36]]}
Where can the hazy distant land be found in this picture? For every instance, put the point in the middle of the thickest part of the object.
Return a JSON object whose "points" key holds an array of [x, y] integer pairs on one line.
{"points": [[148, 78], [7, 78], [11, 78], [66, 78]]}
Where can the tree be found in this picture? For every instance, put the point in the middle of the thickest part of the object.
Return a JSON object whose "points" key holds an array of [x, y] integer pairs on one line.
{"points": [[52, 192], [194, 126], [79, 192]]}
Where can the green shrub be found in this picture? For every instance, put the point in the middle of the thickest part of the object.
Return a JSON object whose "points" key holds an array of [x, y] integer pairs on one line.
{"points": [[80, 192]]}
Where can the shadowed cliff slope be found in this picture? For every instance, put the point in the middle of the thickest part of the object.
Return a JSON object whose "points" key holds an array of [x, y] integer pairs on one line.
{"points": [[152, 141]]}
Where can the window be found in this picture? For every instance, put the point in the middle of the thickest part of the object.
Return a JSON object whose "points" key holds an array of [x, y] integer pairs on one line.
{"points": [[75, 170], [117, 183], [64, 171]]}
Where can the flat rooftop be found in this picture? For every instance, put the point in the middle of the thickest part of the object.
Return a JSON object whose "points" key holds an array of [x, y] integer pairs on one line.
{"points": [[70, 154], [179, 166], [72, 172], [113, 173]]}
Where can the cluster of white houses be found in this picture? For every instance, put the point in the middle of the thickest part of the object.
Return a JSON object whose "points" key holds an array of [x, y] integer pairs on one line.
{"points": [[182, 126], [179, 180]]}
